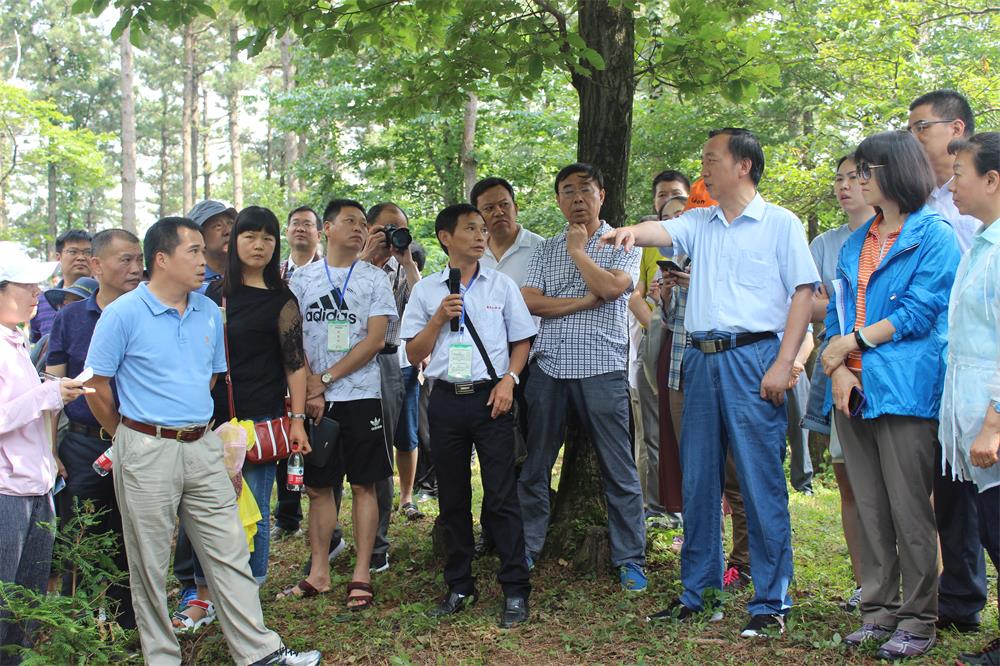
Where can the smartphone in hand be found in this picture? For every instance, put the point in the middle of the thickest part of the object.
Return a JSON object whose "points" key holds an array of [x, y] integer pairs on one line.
{"points": [[670, 266], [856, 401]]}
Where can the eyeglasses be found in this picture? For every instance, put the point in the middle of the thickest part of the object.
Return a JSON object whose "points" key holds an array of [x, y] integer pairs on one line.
{"points": [[919, 126], [301, 224], [585, 190], [865, 170], [74, 252]]}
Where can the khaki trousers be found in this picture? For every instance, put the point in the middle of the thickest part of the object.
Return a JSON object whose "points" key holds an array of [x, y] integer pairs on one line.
{"points": [[890, 462], [157, 480]]}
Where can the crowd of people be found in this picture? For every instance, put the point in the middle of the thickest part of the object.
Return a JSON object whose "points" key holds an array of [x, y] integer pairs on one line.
{"points": [[685, 363]]}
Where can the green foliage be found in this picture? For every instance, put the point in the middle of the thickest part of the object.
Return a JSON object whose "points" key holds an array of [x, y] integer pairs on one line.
{"points": [[71, 629]]}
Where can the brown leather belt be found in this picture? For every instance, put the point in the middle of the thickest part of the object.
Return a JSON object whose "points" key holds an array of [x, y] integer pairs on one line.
{"points": [[181, 435]]}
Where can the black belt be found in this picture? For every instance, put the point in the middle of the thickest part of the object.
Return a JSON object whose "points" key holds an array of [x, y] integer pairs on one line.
{"points": [[464, 388], [389, 349], [738, 340], [83, 429]]}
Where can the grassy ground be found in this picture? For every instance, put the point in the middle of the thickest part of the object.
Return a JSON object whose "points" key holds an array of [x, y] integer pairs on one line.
{"points": [[576, 619]]}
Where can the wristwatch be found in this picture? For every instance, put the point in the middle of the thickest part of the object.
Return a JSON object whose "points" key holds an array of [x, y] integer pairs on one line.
{"points": [[326, 378], [297, 416], [863, 344], [517, 380], [996, 406]]}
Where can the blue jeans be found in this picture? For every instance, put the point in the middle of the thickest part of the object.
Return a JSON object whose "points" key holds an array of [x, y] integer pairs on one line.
{"points": [[409, 417], [259, 478], [815, 418], [723, 410], [602, 404]]}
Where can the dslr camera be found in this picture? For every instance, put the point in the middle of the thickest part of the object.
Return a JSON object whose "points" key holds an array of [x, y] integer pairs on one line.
{"points": [[397, 237]]}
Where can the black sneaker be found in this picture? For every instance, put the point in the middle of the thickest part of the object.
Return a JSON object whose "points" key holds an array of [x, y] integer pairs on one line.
{"points": [[678, 612], [764, 625], [286, 657], [988, 656], [379, 563]]}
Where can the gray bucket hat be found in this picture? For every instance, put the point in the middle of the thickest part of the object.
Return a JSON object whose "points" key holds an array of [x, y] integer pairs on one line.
{"points": [[205, 210]]}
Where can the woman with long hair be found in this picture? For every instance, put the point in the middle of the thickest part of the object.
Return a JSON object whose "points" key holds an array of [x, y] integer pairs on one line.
{"points": [[266, 362], [885, 360]]}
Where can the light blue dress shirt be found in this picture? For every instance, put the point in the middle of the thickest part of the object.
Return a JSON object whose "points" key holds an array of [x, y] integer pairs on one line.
{"points": [[162, 361], [743, 273], [972, 379]]}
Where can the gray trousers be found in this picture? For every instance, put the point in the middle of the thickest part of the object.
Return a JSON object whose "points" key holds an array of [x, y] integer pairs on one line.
{"points": [[890, 462], [157, 480], [393, 394], [800, 464], [602, 404], [26, 538], [649, 411]]}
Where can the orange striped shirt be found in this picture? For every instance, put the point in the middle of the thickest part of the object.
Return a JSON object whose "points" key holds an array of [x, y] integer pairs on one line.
{"points": [[872, 253]]}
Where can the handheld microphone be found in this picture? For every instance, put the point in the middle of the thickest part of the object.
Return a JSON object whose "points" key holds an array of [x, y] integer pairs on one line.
{"points": [[454, 287]]}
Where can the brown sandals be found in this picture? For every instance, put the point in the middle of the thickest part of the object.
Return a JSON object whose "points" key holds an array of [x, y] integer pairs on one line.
{"points": [[364, 601], [306, 591]]}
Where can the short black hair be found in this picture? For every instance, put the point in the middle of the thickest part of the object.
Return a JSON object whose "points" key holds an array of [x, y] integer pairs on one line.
{"points": [[844, 158], [72, 236], [488, 184], [377, 209], [333, 208], [906, 176], [419, 255], [163, 237], [744, 145], [306, 209], [447, 219], [253, 218], [670, 176], [985, 148], [588, 170], [102, 239], [949, 104]]}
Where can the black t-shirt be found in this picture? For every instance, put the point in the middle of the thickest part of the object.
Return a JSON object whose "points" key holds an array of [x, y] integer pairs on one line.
{"points": [[264, 333]]}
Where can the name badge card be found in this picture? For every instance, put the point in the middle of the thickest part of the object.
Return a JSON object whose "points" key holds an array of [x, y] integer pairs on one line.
{"points": [[338, 336], [460, 362]]}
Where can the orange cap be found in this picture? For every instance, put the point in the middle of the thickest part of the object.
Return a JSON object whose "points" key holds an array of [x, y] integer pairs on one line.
{"points": [[699, 196]]}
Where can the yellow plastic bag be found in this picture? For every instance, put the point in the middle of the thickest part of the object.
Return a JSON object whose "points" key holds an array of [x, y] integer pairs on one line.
{"points": [[249, 514]]}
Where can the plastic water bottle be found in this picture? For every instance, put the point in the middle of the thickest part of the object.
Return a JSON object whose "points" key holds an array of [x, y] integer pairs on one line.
{"points": [[296, 471], [104, 463]]}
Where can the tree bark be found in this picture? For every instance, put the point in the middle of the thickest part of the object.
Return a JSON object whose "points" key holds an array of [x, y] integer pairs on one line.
{"points": [[235, 150], [128, 134], [53, 183], [195, 132], [206, 166], [164, 152], [578, 523], [605, 124], [469, 162], [291, 153], [187, 119]]}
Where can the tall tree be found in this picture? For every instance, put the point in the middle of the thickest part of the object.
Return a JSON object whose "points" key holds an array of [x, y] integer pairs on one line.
{"points": [[233, 107], [127, 132], [468, 157], [291, 144], [188, 118]]}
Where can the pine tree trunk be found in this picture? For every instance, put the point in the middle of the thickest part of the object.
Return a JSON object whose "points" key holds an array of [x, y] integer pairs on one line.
{"points": [[195, 132], [164, 153], [469, 162], [187, 119], [206, 166], [291, 152], [235, 150], [128, 134], [53, 184], [578, 523]]}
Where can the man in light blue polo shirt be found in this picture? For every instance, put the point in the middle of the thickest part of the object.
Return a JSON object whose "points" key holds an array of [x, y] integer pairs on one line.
{"points": [[163, 345], [748, 306]]}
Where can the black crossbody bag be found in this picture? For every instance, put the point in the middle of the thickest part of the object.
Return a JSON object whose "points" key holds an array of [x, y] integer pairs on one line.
{"points": [[520, 445]]}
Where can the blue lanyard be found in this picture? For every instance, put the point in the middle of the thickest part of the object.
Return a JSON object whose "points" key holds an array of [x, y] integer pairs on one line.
{"points": [[465, 291], [347, 281]]}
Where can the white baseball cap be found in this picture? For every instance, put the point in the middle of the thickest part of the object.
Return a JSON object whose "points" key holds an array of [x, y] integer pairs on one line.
{"points": [[17, 266]]}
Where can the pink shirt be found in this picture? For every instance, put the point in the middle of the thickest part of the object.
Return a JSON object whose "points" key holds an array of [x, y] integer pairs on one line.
{"points": [[26, 463]]}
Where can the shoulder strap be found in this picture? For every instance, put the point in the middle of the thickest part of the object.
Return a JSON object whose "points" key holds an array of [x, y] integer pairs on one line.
{"points": [[225, 344], [482, 349]]}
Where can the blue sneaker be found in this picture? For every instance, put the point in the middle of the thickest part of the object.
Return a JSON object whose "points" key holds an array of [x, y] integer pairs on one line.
{"points": [[188, 594], [632, 577]]}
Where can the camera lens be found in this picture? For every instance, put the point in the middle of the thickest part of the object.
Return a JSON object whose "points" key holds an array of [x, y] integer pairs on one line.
{"points": [[400, 238]]}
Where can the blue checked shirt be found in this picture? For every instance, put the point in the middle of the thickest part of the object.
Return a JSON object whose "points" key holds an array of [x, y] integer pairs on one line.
{"points": [[587, 343], [674, 319]]}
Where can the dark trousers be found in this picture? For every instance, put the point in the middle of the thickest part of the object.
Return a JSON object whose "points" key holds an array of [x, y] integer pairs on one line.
{"points": [[78, 453], [288, 513], [456, 421], [989, 527], [962, 585]]}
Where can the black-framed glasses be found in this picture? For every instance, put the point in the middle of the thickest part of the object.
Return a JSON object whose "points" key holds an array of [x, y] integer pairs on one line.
{"points": [[919, 126], [864, 170]]}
